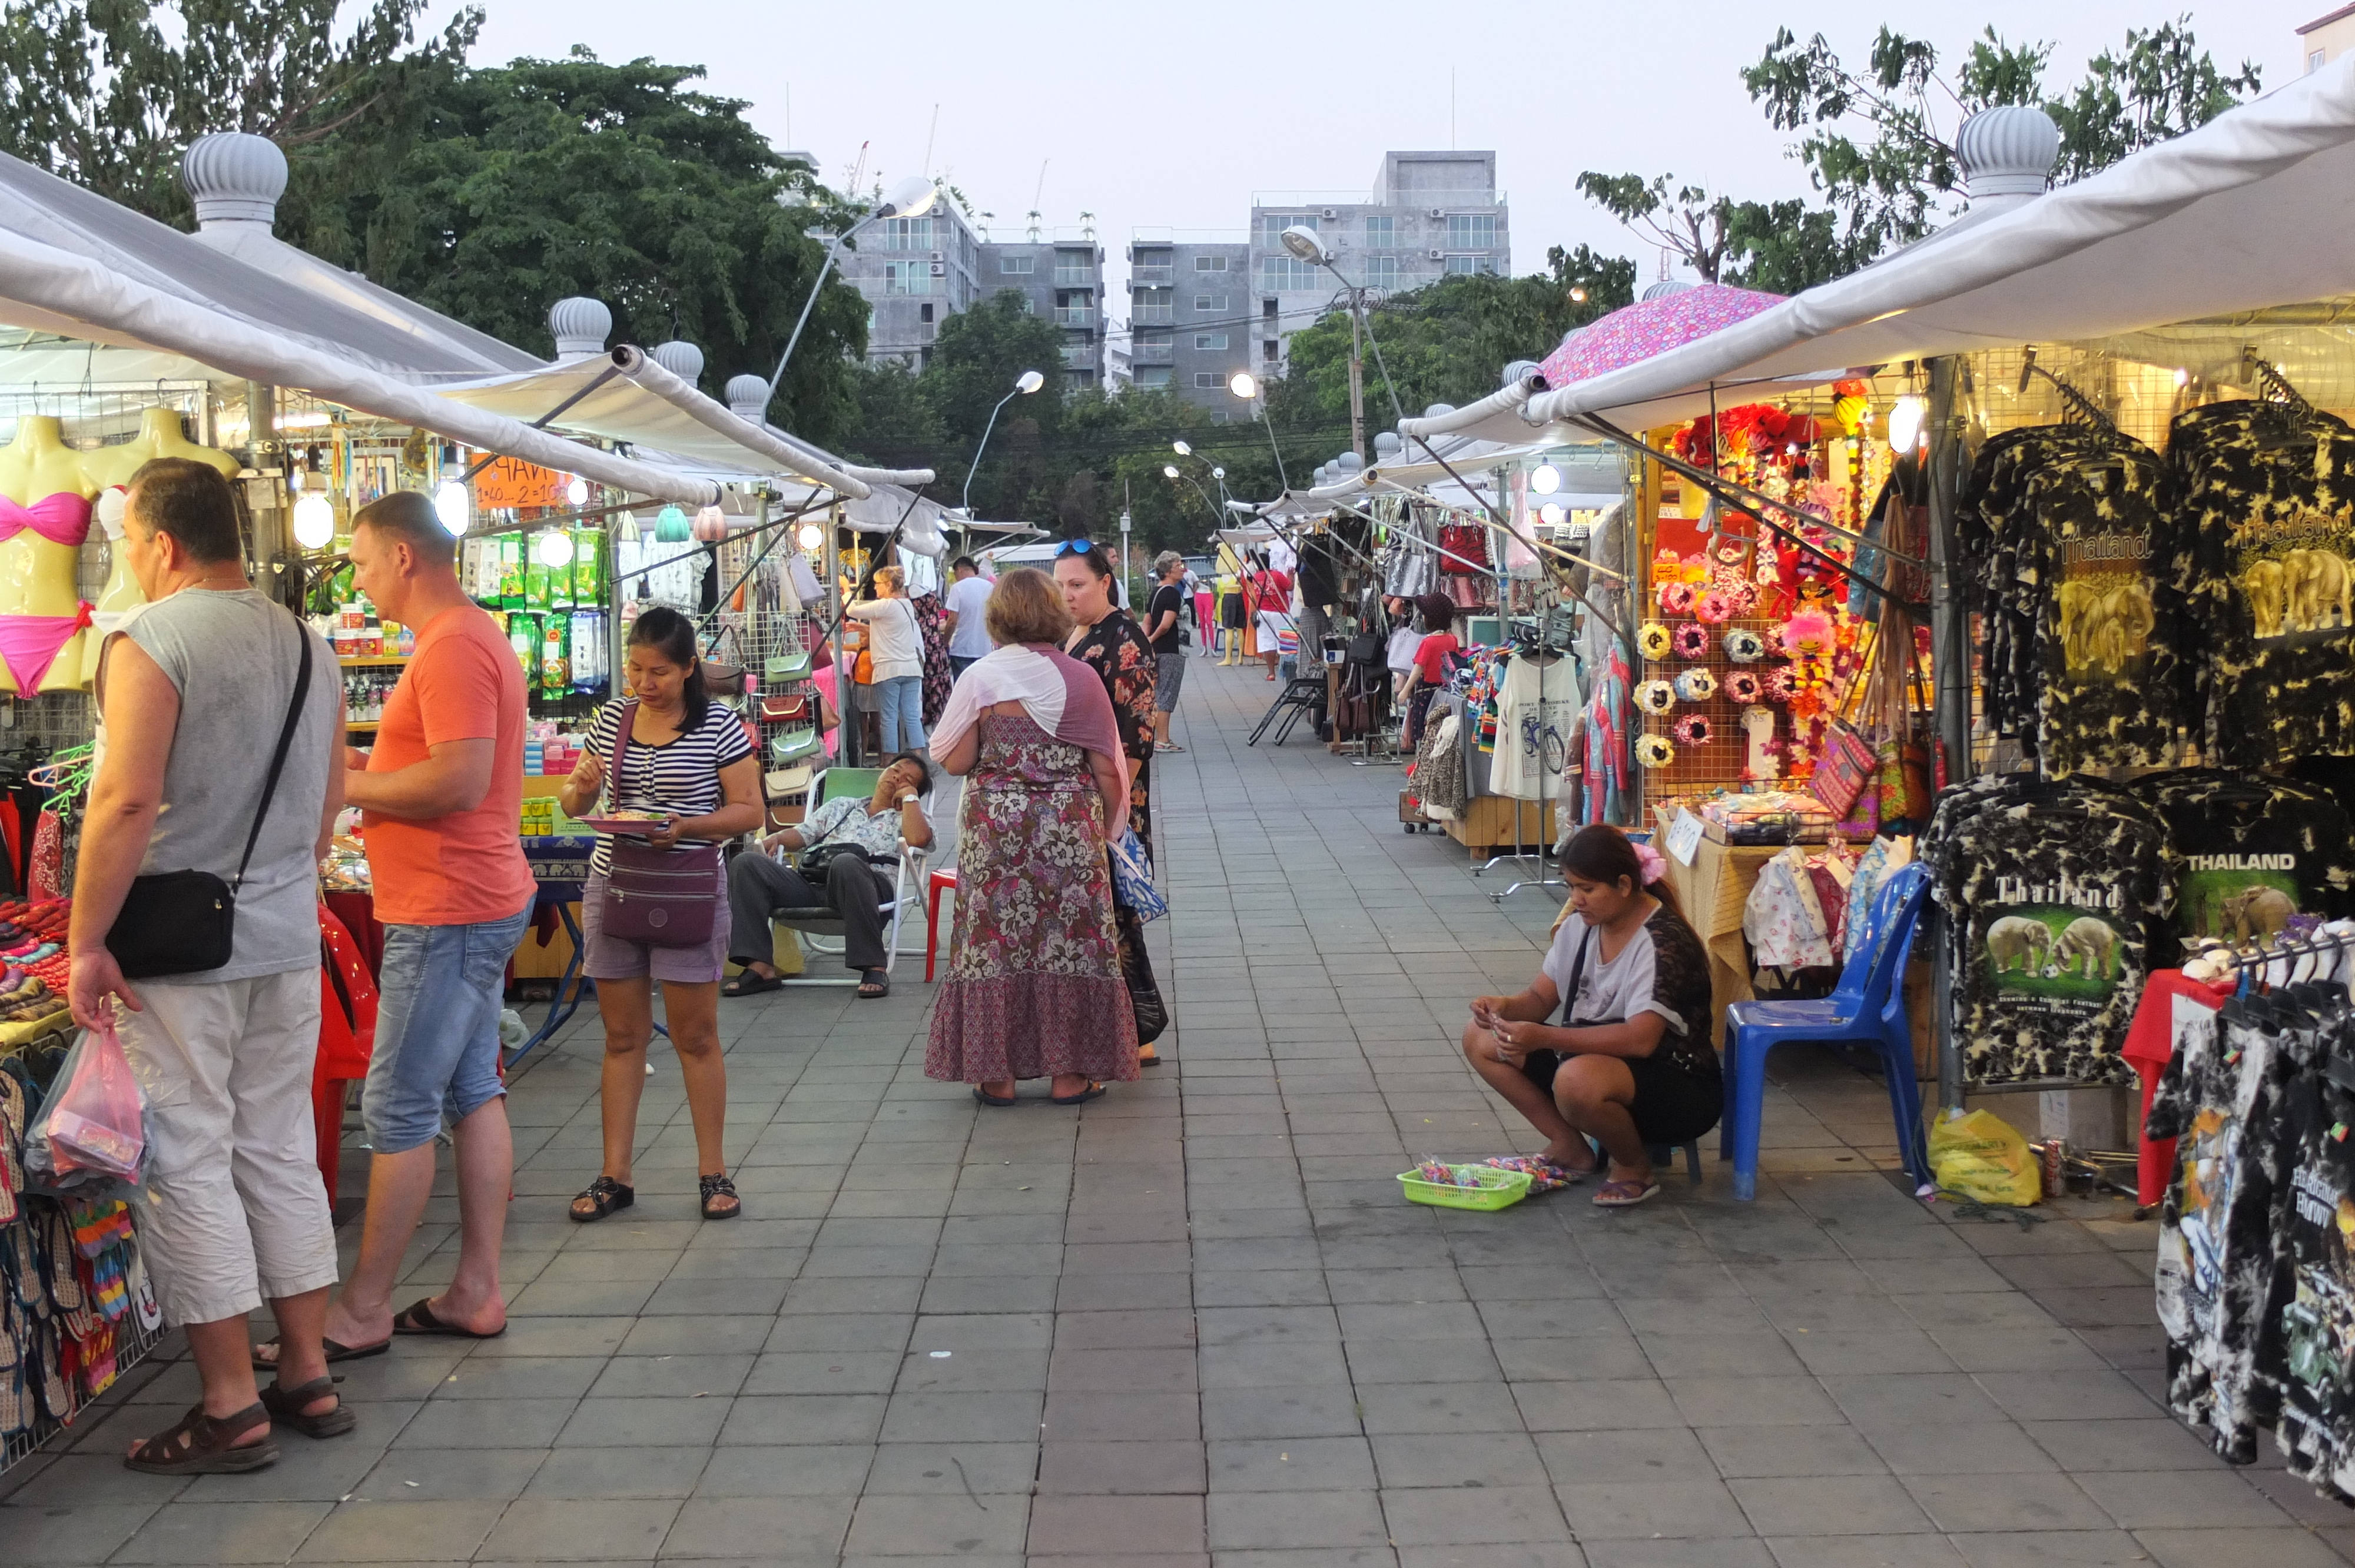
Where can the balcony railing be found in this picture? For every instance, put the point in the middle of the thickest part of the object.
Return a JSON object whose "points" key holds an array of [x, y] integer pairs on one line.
{"points": [[1075, 277], [1075, 315], [1145, 277], [1079, 357], [1151, 353], [1161, 314]]}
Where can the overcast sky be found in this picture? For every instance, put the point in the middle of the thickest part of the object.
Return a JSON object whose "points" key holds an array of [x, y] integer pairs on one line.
{"points": [[1174, 115]]}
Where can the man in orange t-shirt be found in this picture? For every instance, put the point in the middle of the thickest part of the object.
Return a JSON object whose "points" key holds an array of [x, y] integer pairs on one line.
{"points": [[443, 796]]}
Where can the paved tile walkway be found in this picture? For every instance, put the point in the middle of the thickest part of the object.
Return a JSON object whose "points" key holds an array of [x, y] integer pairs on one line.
{"points": [[1193, 1323]]}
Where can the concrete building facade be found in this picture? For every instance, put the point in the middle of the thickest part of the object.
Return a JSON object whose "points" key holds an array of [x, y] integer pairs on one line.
{"points": [[1061, 277], [1189, 312]]}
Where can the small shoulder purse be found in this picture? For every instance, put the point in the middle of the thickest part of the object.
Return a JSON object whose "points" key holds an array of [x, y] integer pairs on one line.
{"points": [[662, 898]]}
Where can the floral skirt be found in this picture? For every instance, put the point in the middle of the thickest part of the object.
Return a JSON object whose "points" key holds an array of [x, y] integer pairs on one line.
{"points": [[1034, 983]]}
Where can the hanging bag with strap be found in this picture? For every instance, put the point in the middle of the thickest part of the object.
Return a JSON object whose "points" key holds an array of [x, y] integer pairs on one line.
{"points": [[185, 922], [663, 898]]}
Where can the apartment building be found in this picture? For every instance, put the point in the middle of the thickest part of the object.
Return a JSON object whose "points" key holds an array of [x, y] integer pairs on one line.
{"points": [[916, 272], [1061, 277], [1189, 311], [1429, 214]]}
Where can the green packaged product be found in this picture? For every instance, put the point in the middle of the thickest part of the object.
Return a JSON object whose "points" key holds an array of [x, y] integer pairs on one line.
{"points": [[534, 583], [510, 571], [587, 569]]}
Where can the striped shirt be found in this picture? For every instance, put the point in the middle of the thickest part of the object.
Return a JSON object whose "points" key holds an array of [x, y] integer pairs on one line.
{"points": [[681, 776]]}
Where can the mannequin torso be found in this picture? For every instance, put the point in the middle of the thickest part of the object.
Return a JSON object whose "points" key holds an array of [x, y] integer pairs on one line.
{"points": [[160, 435]]}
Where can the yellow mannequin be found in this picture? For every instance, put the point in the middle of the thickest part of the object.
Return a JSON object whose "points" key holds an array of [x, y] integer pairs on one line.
{"points": [[160, 435], [37, 574]]}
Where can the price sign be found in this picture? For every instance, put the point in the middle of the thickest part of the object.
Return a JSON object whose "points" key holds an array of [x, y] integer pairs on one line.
{"points": [[511, 482], [1684, 836]]}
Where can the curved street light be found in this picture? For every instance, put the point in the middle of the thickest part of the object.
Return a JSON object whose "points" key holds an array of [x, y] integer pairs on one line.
{"points": [[1170, 471], [912, 197], [1027, 382], [1305, 245], [1245, 386]]}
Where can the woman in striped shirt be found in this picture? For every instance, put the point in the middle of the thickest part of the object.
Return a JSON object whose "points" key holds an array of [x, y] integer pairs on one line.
{"points": [[690, 760]]}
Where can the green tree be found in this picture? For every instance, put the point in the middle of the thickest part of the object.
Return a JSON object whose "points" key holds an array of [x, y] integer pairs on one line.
{"points": [[544, 178], [977, 359], [99, 94], [1878, 144]]}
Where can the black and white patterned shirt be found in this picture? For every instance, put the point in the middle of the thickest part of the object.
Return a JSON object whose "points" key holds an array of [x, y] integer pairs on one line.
{"points": [[680, 776]]}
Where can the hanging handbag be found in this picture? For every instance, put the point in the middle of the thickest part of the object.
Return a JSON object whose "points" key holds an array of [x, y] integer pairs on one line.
{"points": [[794, 745], [185, 922], [1132, 878], [662, 898], [1145, 1003], [784, 710], [788, 667]]}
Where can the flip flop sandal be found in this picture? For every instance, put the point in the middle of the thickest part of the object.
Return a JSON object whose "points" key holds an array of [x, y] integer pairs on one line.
{"points": [[606, 1196], [1092, 1092], [715, 1188], [1624, 1194], [989, 1099], [336, 1349], [1544, 1175], [417, 1317], [750, 984], [285, 1407], [875, 987], [1146, 1057], [201, 1446], [1169, 745]]}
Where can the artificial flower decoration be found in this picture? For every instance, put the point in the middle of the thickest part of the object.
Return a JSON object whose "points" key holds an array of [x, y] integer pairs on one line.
{"points": [[1691, 640], [1655, 696], [1654, 751], [1744, 646], [1676, 597], [1697, 684], [1744, 686], [1690, 730], [1714, 608], [1741, 599], [1807, 635], [1780, 686], [1653, 640]]}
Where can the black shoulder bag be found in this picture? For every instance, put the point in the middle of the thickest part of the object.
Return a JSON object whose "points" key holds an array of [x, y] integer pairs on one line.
{"points": [[185, 922]]}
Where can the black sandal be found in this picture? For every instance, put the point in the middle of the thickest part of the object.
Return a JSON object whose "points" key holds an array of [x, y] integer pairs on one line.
{"points": [[750, 983], [606, 1195], [201, 1444], [714, 1189], [875, 985], [286, 1407]]}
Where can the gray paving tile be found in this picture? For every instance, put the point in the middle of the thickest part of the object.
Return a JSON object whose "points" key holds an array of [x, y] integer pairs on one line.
{"points": [[575, 1529], [224, 1532], [1828, 1505]]}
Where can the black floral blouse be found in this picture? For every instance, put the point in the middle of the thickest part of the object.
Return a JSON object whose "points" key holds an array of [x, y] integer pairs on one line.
{"points": [[1116, 649]]}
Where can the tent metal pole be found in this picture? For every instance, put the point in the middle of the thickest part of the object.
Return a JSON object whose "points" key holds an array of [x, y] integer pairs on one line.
{"points": [[1950, 675]]}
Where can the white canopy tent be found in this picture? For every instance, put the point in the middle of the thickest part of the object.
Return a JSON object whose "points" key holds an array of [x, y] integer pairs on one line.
{"points": [[2250, 212]]}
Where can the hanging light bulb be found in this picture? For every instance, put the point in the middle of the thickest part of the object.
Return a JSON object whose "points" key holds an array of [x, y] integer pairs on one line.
{"points": [[1551, 515], [810, 537], [450, 505], [314, 522], [577, 492], [556, 548], [1905, 418], [1545, 479]]}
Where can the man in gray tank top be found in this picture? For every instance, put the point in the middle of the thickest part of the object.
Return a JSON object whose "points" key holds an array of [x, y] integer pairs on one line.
{"points": [[195, 688]]}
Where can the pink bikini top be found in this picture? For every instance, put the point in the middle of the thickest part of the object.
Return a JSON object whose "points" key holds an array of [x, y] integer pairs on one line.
{"points": [[62, 519]]}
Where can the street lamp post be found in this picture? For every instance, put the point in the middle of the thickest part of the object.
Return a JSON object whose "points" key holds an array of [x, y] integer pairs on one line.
{"points": [[1245, 386], [1217, 473], [1029, 381], [912, 197], [1171, 470], [1302, 241]]}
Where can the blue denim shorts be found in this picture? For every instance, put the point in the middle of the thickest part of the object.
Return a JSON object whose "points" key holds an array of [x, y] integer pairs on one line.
{"points": [[437, 1029]]}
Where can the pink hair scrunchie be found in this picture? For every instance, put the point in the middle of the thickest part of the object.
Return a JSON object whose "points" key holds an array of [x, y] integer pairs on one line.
{"points": [[1655, 865]]}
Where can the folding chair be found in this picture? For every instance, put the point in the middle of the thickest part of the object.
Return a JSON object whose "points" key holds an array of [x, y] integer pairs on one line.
{"points": [[1301, 693], [819, 925]]}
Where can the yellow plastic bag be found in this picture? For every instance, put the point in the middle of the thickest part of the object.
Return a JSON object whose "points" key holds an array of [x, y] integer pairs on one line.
{"points": [[1980, 1155]]}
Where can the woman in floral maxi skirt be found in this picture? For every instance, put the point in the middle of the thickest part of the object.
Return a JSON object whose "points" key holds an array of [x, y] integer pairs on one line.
{"points": [[1034, 987]]}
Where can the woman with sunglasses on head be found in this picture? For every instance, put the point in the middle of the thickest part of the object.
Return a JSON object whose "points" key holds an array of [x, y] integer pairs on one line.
{"points": [[1107, 639]]}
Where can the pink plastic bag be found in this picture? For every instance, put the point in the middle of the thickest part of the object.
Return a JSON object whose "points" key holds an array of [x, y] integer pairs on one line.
{"points": [[95, 1118]]}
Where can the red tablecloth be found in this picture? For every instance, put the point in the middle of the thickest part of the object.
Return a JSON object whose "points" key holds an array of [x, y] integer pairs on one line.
{"points": [[2149, 1046]]}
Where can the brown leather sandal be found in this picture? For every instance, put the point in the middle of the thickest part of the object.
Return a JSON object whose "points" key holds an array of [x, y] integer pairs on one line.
{"points": [[286, 1407], [202, 1444]]}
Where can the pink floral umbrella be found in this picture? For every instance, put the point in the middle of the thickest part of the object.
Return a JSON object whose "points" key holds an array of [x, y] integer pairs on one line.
{"points": [[1648, 327]]}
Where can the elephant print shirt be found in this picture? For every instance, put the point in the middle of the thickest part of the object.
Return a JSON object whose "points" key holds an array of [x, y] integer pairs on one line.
{"points": [[2313, 1299], [2269, 493], [2050, 888], [2250, 854], [2108, 619]]}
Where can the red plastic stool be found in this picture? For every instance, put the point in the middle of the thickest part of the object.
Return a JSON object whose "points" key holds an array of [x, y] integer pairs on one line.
{"points": [[934, 885]]}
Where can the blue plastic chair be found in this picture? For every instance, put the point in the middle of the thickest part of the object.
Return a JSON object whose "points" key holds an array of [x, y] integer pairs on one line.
{"points": [[1867, 1008]]}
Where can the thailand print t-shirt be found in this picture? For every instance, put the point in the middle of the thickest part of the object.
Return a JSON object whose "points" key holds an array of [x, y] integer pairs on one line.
{"points": [[2251, 854]]}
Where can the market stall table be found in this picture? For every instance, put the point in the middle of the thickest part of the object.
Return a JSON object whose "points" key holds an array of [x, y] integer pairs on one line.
{"points": [[1714, 890]]}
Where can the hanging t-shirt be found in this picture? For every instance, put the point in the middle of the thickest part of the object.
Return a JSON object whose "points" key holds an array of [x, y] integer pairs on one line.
{"points": [[2314, 1311], [2048, 887], [2249, 851], [2270, 490], [1537, 707]]}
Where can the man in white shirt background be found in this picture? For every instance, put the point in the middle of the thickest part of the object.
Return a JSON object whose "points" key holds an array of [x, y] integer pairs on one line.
{"points": [[967, 598]]}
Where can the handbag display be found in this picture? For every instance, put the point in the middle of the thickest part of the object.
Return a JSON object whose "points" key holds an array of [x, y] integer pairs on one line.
{"points": [[185, 922], [794, 744], [787, 666], [662, 898], [784, 710]]}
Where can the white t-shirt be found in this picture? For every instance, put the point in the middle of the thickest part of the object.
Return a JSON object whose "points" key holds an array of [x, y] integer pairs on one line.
{"points": [[892, 637], [1607, 993], [968, 601], [1537, 709]]}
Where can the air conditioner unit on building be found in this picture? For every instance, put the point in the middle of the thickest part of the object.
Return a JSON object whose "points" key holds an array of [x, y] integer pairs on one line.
{"points": [[940, 269], [1439, 212], [1331, 213], [939, 256], [1439, 256]]}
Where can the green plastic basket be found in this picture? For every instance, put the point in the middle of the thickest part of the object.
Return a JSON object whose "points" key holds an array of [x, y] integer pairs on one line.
{"points": [[1497, 1189]]}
